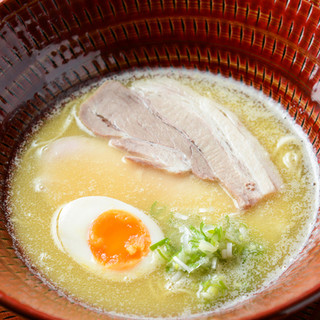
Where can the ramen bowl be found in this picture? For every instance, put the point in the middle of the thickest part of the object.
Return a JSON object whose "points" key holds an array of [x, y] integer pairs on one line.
{"points": [[51, 48]]}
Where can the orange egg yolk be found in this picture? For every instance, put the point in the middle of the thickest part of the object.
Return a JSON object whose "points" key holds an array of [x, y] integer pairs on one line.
{"points": [[118, 240]]}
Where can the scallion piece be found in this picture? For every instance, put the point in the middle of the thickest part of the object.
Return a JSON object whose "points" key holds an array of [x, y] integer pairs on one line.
{"points": [[159, 244], [202, 254]]}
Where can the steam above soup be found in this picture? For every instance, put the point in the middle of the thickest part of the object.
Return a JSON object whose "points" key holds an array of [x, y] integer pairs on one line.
{"points": [[163, 194]]}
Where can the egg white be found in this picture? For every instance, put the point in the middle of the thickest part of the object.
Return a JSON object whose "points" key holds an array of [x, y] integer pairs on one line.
{"points": [[70, 226]]}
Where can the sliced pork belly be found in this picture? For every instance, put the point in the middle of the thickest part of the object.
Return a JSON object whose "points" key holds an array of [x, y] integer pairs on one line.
{"points": [[98, 125], [199, 164], [155, 155], [234, 156], [168, 125], [115, 111]]}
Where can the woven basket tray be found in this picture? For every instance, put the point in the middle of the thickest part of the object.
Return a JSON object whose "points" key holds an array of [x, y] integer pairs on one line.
{"points": [[50, 47]]}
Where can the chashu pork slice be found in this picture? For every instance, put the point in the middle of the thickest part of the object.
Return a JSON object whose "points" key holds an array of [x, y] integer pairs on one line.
{"points": [[234, 156], [152, 154], [116, 112]]}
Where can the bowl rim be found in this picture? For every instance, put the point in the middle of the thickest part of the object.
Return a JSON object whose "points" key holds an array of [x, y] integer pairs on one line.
{"points": [[283, 310], [23, 309]]}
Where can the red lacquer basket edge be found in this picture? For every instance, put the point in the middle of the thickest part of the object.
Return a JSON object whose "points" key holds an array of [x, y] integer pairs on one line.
{"points": [[227, 37]]}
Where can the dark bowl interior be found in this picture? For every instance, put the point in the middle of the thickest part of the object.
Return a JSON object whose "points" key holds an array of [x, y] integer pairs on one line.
{"points": [[50, 48]]}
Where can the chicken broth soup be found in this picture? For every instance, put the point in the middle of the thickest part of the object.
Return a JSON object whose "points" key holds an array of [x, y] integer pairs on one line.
{"points": [[127, 220]]}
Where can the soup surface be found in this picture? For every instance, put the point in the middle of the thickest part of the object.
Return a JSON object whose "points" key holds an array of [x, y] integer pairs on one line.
{"points": [[280, 224]]}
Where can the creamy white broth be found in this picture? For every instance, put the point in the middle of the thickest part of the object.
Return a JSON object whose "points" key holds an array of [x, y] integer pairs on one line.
{"points": [[281, 222]]}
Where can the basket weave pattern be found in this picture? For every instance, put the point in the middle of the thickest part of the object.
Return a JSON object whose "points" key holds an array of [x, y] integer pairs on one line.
{"points": [[49, 48]]}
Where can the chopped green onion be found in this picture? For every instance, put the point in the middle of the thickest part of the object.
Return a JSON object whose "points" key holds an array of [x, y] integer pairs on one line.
{"points": [[203, 252], [212, 288], [182, 264], [206, 246], [159, 244], [156, 209], [214, 263], [163, 255]]}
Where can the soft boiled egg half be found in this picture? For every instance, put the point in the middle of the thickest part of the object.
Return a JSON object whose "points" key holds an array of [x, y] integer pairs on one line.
{"points": [[107, 236]]}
